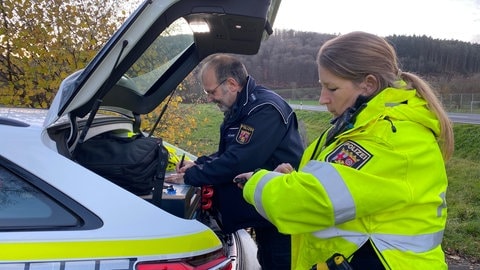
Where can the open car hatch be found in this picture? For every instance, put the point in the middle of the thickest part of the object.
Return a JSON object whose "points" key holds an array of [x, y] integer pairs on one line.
{"points": [[156, 48]]}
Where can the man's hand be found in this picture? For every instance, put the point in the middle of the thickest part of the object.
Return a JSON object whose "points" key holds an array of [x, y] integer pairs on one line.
{"points": [[175, 178], [186, 164]]}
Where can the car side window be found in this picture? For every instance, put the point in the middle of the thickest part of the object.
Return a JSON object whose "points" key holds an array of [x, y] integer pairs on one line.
{"points": [[24, 206]]}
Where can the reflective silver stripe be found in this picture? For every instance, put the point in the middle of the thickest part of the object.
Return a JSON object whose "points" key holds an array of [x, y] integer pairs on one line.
{"points": [[257, 196], [416, 243], [351, 236], [340, 196]]}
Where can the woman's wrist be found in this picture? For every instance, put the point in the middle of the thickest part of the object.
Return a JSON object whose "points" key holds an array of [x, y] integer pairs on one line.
{"points": [[256, 170]]}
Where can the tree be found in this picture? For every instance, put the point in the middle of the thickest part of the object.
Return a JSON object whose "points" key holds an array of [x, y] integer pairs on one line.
{"points": [[42, 42]]}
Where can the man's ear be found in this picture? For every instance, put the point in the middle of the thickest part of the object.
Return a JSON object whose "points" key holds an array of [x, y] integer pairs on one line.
{"points": [[233, 85], [370, 85]]}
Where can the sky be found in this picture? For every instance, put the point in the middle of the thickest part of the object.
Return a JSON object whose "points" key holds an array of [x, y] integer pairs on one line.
{"points": [[440, 19]]}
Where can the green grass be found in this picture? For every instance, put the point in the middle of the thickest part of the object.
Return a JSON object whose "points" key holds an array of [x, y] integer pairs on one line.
{"points": [[205, 137], [303, 102], [462, 235]]}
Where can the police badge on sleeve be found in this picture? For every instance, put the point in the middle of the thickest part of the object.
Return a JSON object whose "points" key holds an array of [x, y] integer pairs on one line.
{"points": [[349, 154], [244, 134]]}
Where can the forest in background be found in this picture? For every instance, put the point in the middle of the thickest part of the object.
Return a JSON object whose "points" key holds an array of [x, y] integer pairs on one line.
{"points": [[286, 64], [287, 58]]}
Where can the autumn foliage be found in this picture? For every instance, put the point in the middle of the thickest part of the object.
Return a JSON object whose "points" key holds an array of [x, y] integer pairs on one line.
{"points": [[42, 42]]}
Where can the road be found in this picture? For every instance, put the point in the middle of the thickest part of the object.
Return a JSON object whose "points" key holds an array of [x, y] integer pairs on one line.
{"points": [[464, 118]]}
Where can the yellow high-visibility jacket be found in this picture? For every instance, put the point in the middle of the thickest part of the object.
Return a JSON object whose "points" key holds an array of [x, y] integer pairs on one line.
{"points": [[383, 181]]}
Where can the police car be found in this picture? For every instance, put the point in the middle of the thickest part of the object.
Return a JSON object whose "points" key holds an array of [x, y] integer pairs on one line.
{"points": [[57, 214]]}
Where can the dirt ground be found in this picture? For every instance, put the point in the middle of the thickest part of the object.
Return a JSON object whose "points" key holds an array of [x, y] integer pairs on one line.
{"points": [[456, 262]]}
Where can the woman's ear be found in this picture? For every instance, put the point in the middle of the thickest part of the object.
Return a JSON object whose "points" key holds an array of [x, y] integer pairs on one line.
{"points": [[370, 85]]}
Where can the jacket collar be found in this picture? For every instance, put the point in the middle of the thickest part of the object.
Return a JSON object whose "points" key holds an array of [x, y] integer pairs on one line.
{"points": [[243, 98], [399, 104]]}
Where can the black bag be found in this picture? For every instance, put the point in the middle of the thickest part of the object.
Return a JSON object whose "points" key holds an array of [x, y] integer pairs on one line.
{"points": [[134, 163]]}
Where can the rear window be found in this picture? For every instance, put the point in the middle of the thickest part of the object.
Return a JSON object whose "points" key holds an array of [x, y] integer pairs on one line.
{"points": [[160, 56], [26, 206]]}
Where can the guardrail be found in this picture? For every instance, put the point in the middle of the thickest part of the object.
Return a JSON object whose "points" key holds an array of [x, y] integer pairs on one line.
{"points": [[464, 118]]}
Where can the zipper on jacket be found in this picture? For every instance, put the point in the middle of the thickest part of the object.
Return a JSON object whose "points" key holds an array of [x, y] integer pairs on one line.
{"points": [[394, 129]]}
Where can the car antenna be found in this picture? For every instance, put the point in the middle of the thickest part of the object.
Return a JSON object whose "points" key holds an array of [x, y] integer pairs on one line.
{"points": [[161, 113]]}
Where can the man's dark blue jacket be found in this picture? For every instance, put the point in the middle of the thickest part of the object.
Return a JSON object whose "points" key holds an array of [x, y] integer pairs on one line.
{"points": [[260, 131]]}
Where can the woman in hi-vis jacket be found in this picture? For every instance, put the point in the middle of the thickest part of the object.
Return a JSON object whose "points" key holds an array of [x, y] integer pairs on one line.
{"points": [[372, 187]]}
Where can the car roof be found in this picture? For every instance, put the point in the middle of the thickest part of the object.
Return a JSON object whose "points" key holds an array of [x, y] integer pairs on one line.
{"points": [[22, 116], [234, 27]]}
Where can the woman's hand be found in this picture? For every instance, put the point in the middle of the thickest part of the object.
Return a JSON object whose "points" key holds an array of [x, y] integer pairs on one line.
{"points": [[242, 178], [284, 168]]}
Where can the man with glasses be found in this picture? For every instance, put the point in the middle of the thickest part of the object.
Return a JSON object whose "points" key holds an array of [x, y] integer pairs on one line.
{"points": [[259, 130]]}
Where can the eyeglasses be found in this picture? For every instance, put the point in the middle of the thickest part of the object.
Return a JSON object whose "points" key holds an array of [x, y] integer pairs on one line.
{"points": [[212, 92]]}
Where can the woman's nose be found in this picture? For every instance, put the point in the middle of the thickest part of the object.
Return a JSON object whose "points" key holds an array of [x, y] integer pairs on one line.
{"points": [[324, 97]]}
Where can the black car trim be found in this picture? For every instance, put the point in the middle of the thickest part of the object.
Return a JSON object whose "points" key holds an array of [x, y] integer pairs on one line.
{"points": [[12, 122]]}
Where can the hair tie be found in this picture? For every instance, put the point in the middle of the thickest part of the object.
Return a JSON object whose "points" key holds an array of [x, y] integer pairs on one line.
{"points": [[399, 73]]}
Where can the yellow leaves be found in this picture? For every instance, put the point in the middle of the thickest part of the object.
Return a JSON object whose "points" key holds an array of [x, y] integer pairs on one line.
{"points": [[47, 41]]}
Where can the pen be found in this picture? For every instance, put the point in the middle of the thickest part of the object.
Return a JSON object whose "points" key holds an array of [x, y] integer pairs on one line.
{"points": [[181, 161]]}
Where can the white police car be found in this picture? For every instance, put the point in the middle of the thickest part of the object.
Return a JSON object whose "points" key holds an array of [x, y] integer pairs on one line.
{"points": [[56, 214]]}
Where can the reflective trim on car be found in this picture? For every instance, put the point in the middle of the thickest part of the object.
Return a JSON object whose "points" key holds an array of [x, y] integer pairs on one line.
{"points": [[183, 245]]}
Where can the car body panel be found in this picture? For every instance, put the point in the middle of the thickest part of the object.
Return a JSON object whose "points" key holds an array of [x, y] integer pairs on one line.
{"points": [[133, 237]]}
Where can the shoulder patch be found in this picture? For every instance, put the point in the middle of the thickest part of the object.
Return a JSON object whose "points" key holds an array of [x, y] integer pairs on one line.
{"points": [[349, 154], [244, 134]]}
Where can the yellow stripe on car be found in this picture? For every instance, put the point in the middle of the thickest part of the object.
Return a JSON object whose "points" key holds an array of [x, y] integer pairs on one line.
{"points": [[185, 244]]}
